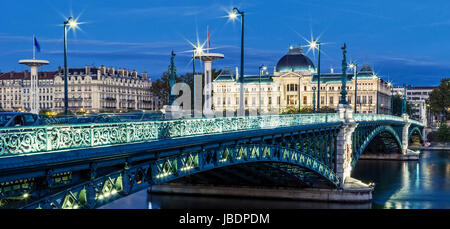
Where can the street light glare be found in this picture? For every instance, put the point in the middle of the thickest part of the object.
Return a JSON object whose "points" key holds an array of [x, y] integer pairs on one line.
{"points": [[73, 24], [313, 44], [232, 15], [351, 66]]}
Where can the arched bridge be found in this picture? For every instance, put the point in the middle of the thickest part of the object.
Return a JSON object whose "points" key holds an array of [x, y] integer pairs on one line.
{"points": [[88, 165]]}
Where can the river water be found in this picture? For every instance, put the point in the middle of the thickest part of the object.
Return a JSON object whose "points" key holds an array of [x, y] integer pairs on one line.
{"points": [[423, 184]]}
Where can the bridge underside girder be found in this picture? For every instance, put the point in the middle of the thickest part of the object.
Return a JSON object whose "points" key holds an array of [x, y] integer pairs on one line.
{"points": [[258, 175]]}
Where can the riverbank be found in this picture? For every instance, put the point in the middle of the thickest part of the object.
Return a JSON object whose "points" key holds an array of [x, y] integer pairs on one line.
{"points": [[434, 146], [354, 191], [410, 156]]}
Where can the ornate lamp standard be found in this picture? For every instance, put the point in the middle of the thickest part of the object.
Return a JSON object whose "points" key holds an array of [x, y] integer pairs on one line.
{"points": [[233, 15], [404, 100], [72, 25], [262, 68], [343, 78], [392, 97], [316, 44], [172, 82], [314, 99], [355, 67]]}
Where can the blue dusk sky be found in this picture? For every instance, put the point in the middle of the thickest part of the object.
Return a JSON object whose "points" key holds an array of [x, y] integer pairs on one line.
{"points": [[404, 41]]}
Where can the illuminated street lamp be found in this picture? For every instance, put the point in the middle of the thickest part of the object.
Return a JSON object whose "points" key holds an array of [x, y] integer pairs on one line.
{"points": [[314, 99], [354, 66], [314, 44], [73, 24], [233, 15], [343, 99], [262, 68], [390, 85]]}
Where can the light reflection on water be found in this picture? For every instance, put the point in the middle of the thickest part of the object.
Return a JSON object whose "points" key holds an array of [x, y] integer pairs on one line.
{"points": [[419, 185], [411, 184]]}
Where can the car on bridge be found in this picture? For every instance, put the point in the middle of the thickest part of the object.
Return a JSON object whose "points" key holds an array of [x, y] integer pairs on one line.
{"points": [[11, 119]]}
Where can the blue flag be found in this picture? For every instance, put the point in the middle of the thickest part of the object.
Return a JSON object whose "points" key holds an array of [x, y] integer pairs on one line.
{"points": [[36, 44]]}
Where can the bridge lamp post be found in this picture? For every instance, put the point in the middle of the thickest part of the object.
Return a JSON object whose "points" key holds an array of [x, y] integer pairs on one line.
{"points": [[262, 68], [233, 15], [343, 99], [404, 100], [314, 99], [73, 24], [354, 66], [392, 97], [316, 45]]}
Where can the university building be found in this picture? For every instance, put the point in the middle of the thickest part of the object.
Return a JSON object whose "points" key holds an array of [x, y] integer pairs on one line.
{"points": [[293, 85], [90, 89]]}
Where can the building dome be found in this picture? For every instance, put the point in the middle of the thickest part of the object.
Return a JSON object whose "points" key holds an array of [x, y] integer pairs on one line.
{"points": [[295, 60], [366, 69]]}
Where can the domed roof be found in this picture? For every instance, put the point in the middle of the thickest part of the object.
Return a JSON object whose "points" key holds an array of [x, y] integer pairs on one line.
{"points": [[295, 60], [366, 68]]}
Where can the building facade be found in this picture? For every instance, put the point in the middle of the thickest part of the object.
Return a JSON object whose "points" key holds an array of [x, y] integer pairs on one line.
{"points": [[293, 85], [90, 89], [418, 96]]}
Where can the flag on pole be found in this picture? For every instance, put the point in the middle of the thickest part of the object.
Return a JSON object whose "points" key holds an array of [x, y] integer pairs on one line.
{"points": [[36, 45], [209, 40]]}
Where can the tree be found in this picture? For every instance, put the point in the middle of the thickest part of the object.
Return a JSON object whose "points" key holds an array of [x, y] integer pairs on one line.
{"points": [[326, 109], [443, 133], [439, 99], [398, 104]]}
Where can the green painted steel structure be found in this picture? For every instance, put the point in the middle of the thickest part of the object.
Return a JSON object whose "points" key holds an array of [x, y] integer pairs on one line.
{"points": [[88, 165]]}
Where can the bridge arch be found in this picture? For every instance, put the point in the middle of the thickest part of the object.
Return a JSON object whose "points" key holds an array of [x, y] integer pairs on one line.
{"points": [[413, 130], [367, 139], [115, 185], [171, 168]]}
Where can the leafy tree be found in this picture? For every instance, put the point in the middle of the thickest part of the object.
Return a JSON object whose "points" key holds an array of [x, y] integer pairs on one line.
{"points": [[45, 112], [439, 99], [398, 104], [443, 133], [327, 109], [290, 110]]}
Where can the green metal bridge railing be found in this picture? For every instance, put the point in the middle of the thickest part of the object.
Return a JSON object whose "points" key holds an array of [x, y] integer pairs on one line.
{"points": [[26, 140]]}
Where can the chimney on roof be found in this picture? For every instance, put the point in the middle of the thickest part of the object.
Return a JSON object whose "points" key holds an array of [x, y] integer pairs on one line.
{"points": [[144, 75], [127, 73], [103, 69], [134, 74], [59, 69], [111, 71], [99, 72], [120, 72], [87, 70]]}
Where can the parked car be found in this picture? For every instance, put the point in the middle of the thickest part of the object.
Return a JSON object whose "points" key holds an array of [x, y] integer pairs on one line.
{"points": [[11, 119]]}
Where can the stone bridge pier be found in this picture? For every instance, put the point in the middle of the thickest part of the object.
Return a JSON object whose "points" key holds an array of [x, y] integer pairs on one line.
{"points": [[344, 143], [405, 134]]}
